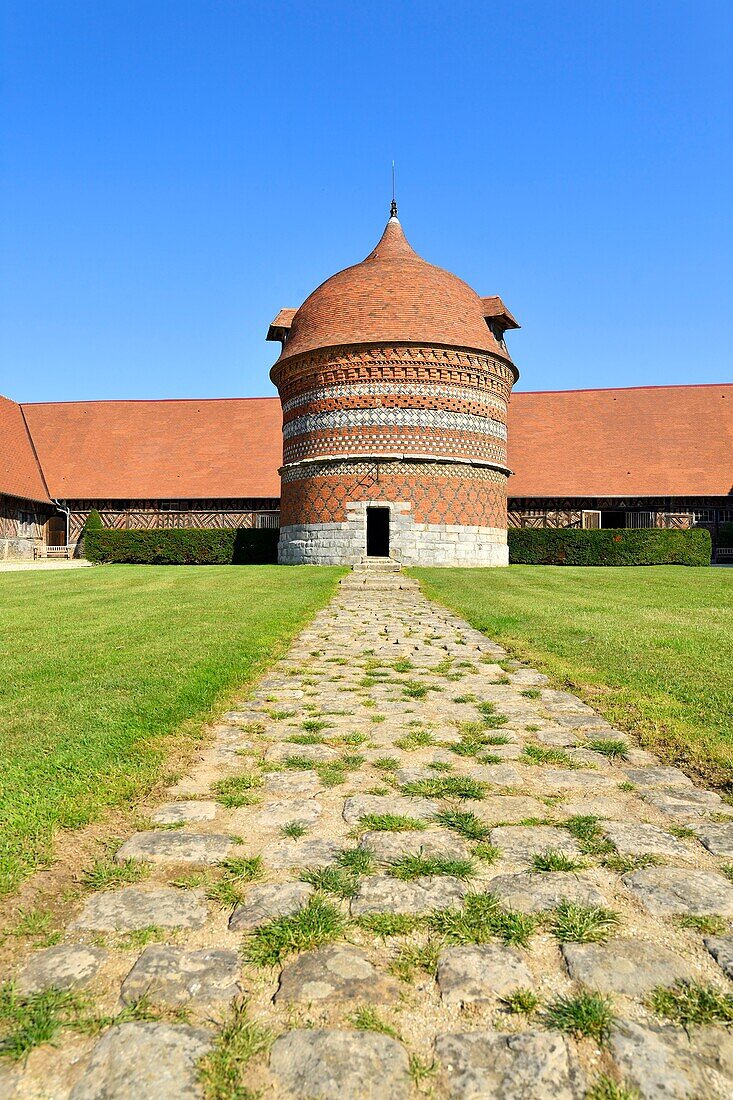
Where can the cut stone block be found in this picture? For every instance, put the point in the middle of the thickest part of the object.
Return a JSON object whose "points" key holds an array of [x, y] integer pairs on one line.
{"points": [[360, 805], [664, 891], [305, 811], [133, 907], [686, 803], [519, 843], [534, 893], [630, 967], [265, 903], [657, 777], [340, 1065], [335, 973], [721, 948], [716, 836], [479, 974], [568, 779], [292, 782], [584, 722], [65, 966], [304, 852], [665, 1063], [382, 894], [598, 805], [173, 976], [171, 813], [437, 843], [635, 839], [507, 808], [152, 1061], [175, 847], [533, 1065]]}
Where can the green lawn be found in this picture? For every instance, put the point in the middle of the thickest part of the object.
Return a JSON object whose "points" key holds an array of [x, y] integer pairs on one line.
{"points": [[651, 648], [98, 665]]}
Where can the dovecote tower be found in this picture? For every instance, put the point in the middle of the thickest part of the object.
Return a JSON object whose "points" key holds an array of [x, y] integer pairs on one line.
{"points": [[394, 379]]}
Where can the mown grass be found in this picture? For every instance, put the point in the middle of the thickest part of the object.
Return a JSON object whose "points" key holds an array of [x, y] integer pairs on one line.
{"points": [[650, 647], [104, 670]]}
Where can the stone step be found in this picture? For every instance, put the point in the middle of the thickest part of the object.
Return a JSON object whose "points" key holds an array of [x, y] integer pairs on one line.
{"points": [[377, 565]]}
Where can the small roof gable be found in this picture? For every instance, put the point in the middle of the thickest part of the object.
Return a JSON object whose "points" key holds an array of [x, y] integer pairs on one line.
{"points": [[20, 475], [495, 309], [280, 327]]}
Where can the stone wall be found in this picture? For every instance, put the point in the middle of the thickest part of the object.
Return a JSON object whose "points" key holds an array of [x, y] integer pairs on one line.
{"points": [[411, 543]]}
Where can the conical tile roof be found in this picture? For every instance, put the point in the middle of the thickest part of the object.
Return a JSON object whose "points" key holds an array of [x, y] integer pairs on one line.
{"points": [[391, 296]]}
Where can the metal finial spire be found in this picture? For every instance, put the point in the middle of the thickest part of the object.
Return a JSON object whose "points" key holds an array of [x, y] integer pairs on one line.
{"points": [[393, 205]]}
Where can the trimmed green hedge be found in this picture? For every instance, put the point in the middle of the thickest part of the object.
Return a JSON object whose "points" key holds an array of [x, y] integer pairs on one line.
{"points": [[183, 546], [571, 546]]}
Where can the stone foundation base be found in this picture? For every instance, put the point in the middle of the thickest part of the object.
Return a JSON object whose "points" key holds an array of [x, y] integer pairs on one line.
{"points": [[17, 548], [410, 543]]}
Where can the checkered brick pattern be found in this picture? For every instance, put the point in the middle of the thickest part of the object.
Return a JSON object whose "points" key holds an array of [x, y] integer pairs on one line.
{"points": [[438, 492]]}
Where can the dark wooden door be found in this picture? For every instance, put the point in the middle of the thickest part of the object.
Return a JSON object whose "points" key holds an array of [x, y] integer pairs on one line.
{"points": [[377, 532]]}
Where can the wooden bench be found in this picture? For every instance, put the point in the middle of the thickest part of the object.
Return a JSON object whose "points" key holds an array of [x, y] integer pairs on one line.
{"points": [[52, 552], [724, 553]]}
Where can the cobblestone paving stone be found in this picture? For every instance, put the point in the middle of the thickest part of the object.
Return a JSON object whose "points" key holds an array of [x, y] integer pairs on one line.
{"points": [[396, 841]]}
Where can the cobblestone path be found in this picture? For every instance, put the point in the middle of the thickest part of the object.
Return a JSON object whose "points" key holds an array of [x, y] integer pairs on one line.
{"points": [[419, 872]]}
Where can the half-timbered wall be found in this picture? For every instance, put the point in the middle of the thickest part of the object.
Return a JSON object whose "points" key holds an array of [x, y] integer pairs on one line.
{"points": [[665, 512], [22, 525], [151, 515]]}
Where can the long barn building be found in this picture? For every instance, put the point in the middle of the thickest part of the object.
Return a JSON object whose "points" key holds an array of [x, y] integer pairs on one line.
{"points": [[647, 456], [397, 433]]}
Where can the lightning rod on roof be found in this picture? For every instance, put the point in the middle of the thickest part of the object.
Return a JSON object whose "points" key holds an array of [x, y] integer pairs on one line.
{"points": [[393, 205]]}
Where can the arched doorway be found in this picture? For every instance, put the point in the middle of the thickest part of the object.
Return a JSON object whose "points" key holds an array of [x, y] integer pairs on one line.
{"points": [[56, 531]]}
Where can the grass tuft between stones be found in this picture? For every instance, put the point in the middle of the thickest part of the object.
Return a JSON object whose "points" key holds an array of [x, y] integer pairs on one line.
{"points": [[393, 823], [221, 1071], [581, 1015], [551, 860], [238, 790], [367, 1018], [338, 881], [605, 1088], [483, 918], [573, 923], [416, 866], [317, 923], [522, 1002], [447, 786], [691, 1003], [464, 822], [390, 924], [107, 873]]}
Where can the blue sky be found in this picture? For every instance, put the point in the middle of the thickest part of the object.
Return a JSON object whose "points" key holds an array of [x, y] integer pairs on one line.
{"points": [[174, 171]]}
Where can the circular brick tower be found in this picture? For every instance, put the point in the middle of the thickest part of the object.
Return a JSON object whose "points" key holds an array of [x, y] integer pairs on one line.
{"points": [[394, 380]]}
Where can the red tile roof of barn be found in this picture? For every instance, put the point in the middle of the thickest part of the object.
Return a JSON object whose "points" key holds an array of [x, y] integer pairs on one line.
{"points": [[645, 441], [19, 472], [159, 449], [391, 295], [649, 441]]}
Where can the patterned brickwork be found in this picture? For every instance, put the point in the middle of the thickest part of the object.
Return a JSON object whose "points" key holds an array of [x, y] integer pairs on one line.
{"points": [[440, 493], [391, 365]]}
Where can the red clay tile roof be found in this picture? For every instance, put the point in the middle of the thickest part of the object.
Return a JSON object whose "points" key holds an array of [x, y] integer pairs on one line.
{"points": [[143, 450], [646, 441], [19, 472], [650, 441], [391, 295]]}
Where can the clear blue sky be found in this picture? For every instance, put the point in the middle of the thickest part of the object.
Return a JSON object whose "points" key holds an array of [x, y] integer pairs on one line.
{"points": [[175, 171]]}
